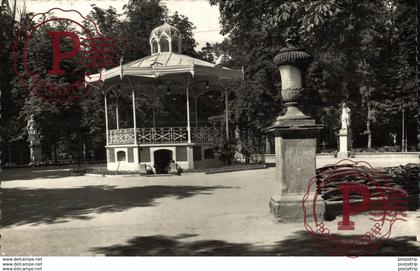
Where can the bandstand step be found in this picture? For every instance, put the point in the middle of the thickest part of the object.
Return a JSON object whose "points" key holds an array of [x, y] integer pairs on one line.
{"points": [[158, 175]]}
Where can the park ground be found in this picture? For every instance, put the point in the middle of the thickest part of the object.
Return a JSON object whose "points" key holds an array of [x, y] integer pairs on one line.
{"points": [[48, 212]]}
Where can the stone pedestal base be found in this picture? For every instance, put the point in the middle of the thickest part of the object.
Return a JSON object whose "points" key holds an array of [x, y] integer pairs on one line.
{"points": [[35, 153], [418, 226], [295, 148], [343, 155], [289, 208], [343, 151]]}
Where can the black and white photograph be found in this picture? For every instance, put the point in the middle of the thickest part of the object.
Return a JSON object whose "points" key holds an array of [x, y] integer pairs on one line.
{"points": [[210, 128]]}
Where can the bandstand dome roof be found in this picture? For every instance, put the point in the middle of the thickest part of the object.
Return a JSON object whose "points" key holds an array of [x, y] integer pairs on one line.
{"points": [[165, 64], [165, 67], [165, 29]]}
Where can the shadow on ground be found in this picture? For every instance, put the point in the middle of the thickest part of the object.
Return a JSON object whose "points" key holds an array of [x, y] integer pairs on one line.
{"points": [[27, 206], [28, 173], [300, 244]]}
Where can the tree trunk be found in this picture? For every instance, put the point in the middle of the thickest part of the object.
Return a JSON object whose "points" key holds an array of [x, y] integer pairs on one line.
{"points": [[54, 152], [418, 73], [368, 130], [403, 135], [369, 134]]}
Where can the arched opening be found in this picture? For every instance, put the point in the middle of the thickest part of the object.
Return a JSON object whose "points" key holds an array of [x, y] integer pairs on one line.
{"points": [[162, 161], [164, 45], [121, 156], [155, 48], [175, 45], [209, 154]]}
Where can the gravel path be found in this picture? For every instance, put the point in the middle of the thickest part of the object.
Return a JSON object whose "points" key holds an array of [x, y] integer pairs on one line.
{"points": [[193, 214]]}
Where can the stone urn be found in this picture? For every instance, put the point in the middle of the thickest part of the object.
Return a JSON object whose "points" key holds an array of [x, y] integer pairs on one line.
{"points": [[292, 62]]}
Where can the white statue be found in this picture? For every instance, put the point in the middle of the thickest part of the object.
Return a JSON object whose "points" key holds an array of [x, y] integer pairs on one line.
{"points": [[345, 117], [237, 133]]}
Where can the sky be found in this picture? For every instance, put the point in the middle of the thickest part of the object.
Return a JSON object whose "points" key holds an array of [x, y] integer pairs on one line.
{"points": [[204, 16]]}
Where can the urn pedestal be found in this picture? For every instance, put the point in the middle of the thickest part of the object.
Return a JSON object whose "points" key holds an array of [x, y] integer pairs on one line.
{"points": [[295, 138]]}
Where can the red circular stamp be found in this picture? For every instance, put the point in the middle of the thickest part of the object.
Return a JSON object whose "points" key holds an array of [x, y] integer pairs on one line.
{"points": [[361, 205], [55, 51]]}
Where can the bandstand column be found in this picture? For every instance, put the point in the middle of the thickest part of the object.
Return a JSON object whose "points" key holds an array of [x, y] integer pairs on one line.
{"points": [[153, 114], [196, 112], [108, 151], [190, 152], [170, 44], [133, 96], [227, 114], [106, 117], [136, 155], [116, 112], [188, 114]]}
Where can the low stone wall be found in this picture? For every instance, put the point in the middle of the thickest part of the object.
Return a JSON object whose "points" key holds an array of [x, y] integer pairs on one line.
{"points": [[375, 159], [382, 159]]}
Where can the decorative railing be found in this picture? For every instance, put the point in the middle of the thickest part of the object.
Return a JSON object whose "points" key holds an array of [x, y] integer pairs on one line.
{"points": [[121, 137], [164, 135], [206, 134]]}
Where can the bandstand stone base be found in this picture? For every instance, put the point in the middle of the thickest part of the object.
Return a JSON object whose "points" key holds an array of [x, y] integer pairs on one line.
{"points": [[138, 158], [123, 158]]}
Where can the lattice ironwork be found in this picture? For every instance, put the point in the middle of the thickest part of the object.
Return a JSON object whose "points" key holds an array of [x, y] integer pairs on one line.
{"points": [[206, 134], [164, 135], [179, 134], [145, 135], [121, 136]]}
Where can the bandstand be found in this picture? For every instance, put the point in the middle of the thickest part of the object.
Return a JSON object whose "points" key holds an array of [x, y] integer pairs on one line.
{"points": [[138, 148]]}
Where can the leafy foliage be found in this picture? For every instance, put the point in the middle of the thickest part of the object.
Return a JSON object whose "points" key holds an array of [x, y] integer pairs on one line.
{"points": [[364, 55], [78, 128]]}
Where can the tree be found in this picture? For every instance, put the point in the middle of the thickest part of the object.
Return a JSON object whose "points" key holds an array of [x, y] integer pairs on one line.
{"points": [[8, 14], [133, 35], [79, 127], [207, 53], [418, 72], [5, 23], [58, 122], [186, 28], [355, 48], [142, 17]]}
